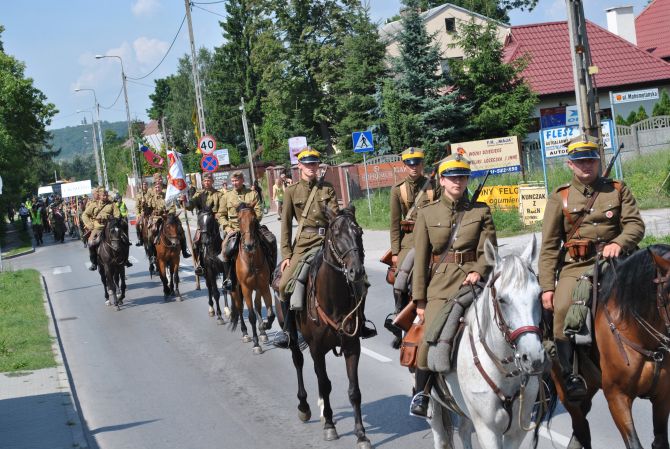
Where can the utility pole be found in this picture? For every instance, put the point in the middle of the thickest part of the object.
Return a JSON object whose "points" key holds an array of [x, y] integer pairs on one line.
{"points": [[130, 133], [97, 159], [196, 78], [583, 71], [247, 141], [102, 146]]}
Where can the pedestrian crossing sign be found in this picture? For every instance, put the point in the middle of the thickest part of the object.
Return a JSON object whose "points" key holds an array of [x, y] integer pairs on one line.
{"points": [[362, 142]]}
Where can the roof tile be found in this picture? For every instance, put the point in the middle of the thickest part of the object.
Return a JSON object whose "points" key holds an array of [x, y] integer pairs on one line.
{"points": [[651, 28]]}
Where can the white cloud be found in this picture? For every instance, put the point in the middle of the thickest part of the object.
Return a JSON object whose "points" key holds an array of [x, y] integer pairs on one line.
{"points": [[556, 11], [149, 51], [100, 73], [144, 7]]}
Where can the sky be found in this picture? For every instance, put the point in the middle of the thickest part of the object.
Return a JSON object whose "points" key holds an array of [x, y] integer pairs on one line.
{"points": [[58, 41]]}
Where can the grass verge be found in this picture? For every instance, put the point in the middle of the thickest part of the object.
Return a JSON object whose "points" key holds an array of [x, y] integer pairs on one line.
{"points": [[653, 239], [25, 343], [25, 239]]}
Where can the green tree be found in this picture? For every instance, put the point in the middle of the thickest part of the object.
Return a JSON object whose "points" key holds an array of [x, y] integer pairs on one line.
{"points": [[502, 102], [641, 114], [632, 118], [662, 106], [619, 120]]}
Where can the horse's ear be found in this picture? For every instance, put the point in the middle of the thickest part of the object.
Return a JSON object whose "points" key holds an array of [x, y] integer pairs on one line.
{"points": [[660, 261], [352, 208], [491, 254], [530, 252]]}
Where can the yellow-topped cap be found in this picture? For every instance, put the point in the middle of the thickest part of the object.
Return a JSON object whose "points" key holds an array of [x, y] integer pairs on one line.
{"points": [[583, 147], [412, 156], [454, 165], [309, 154]]}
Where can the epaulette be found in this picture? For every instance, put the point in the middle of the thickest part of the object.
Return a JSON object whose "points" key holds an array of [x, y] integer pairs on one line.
{"points": [[562, 187], [399, 183], [429, 204]]}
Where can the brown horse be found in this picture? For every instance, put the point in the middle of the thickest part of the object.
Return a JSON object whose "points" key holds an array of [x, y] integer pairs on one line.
{"points": [[632, 331], [168, 252], [253, 274], [145, 229], [333, 317]]}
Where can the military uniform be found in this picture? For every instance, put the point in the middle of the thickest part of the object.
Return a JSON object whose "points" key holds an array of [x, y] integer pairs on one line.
{"points": [[227, 211], [205, 198], [159, 208]]}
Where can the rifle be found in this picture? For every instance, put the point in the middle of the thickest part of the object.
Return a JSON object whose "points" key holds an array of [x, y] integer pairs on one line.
{"points": [[610, 165], [478, 190]]}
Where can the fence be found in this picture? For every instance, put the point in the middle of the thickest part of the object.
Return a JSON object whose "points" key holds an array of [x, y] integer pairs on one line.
{"points": [[646, 136]]}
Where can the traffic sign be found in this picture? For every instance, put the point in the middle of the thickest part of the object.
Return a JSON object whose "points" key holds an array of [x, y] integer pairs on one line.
{"points": [[209, 162], [362, 142], [207, 144]]}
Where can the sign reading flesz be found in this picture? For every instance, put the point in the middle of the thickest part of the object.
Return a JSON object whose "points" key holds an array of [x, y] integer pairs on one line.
{"points": [[554, 139], [500, 155]]}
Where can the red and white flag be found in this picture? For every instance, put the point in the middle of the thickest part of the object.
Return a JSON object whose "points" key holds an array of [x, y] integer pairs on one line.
{"points": [[176, 181]]}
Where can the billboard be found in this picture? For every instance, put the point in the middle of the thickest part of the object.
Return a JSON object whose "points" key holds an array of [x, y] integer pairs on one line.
{"points": [[76, 188], [554, 139], [500, 197], [532, 202], [499, 155]]}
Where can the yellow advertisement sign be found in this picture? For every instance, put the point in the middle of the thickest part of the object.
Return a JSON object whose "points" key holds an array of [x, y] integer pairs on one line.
{"points": [[500, 155], [500, 197], [532, 202]]}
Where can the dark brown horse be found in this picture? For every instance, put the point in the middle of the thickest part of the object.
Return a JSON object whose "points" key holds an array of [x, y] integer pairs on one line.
{"points": [[145, 229], [208, 252], [253, 274], [632, 331], [333, 317], [112, 252], [168, 252]]}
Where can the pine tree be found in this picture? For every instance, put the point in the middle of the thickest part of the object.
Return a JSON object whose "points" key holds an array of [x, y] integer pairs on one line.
{"points": [[662, 107], [632, 118], [619, 120], [641, 114]]}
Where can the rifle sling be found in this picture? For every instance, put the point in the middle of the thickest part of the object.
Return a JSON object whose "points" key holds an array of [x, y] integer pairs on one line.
{"points": [[450, 242], [577, 223], [419, 196], [305, 211]]}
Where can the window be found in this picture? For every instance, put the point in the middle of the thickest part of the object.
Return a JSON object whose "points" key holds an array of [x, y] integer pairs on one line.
{"points": [[450, 24]]}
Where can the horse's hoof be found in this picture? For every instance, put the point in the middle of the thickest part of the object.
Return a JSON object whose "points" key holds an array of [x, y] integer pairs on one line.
{"points": [[107, 303], [258, 350], [364, 444], [263, 338], [211, 312], [246, 339], [226, 312], [330, 434], [304, 416], [118, 307], [220, 320], [574, 443], [179, 298]]}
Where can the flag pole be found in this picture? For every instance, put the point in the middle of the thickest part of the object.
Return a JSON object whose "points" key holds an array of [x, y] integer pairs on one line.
{"points": [[190, 243]]}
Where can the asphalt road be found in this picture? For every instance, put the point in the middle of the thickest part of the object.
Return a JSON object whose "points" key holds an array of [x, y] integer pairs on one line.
{"points": [[165, 375]]}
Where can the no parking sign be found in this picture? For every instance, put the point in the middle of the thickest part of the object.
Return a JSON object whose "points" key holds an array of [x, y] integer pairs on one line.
{"points": [[209, 163]]}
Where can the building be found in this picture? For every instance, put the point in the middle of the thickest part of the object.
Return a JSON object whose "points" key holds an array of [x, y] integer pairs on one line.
{"points": [[651, 29]]}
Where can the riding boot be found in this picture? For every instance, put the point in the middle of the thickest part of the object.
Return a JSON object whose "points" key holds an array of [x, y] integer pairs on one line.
{"points": [[227, 283], [575, 385], [367, 331], [283, 338], [184, 249], [419, 405], [93, 257]]}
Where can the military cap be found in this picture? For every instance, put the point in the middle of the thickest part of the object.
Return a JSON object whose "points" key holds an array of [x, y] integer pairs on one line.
{"points": [[208, 176], [583, 147], [308, 155], [412, 156], [454, 165]]}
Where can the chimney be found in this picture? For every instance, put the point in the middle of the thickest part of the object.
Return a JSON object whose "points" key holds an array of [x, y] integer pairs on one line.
{"points": [[621, 21]]}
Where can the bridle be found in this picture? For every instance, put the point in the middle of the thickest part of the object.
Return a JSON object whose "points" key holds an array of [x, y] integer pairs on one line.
{"points": [[168, 241], [252, 232]]}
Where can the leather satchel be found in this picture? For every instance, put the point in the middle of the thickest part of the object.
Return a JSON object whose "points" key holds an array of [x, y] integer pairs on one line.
{"points": [[405, 318], [410, 345]]}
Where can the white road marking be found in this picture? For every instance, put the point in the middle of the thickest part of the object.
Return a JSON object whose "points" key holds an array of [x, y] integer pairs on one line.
{"points": [[554, 437], [374, 355], [63, 269]]}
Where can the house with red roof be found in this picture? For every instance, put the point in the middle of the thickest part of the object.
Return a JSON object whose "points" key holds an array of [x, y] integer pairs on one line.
{"points": [[622, 67], [652, 28]]}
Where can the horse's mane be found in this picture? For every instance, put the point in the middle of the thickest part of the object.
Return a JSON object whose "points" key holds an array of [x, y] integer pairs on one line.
{"points": [[513, 273], [172, 219], [243, 206], [630, 284], [349, 213]]}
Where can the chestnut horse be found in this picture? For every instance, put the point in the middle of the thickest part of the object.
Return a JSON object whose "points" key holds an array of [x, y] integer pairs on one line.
{"points": [[168, 252], [333, 317], [252, 273], [632, 331]]}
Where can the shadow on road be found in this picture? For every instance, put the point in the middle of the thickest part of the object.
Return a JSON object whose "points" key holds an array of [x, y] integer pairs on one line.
{"points": [[122, 426]]}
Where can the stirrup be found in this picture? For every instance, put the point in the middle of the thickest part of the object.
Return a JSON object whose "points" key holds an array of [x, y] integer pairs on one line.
{"points": [[199, 271], [419, 405], [367, 332], [575, 388]]}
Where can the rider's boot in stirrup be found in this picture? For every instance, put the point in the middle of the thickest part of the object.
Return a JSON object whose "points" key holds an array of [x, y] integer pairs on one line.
{"points": [[419, 405], [367, 331], [575, 385], [227, 283], [184, 250], [283, 338], [93, 257]]}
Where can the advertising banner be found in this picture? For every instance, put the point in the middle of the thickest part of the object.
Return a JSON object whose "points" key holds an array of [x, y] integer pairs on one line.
{"points": [[532, 202], [500, 197], [554, 139], [75, 188], [295, 144], [382, 175], [499, 155]]}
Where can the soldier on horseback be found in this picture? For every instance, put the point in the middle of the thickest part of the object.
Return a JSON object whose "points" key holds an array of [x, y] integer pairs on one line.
{"points": [[207, 198], [588, 218], [141, 200], [159, 209], [306, 202], [227, 217], [95, 216]]}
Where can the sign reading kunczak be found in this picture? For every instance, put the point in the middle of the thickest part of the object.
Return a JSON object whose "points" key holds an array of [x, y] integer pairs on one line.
{"points": [[554, 139], [635, 95], [532, 202], [500, 155], [75, 188]]}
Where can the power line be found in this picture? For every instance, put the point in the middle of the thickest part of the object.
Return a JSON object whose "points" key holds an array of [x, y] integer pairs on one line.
{"points": [[207, 10], [117, 99], [207, 3], [164, 56], [140, 84]]}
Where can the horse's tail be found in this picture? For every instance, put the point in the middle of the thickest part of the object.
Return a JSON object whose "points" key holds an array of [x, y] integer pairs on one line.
{"points": [[546, 413], [235, 311]]}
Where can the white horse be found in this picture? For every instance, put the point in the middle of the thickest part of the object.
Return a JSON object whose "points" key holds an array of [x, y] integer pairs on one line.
{"points": [[500, 361]]}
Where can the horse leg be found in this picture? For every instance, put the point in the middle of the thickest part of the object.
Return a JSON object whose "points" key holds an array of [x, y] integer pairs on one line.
{"points": [[661, 410], [440, 424], [325, 387], [103, 278], [248, 293], [122, 282], [161, 271], [111, 286], [465, 431], [352, 355], [304, 412], [210, 292], [269, 311], [239, 304], [620, 404], [175, 276]]}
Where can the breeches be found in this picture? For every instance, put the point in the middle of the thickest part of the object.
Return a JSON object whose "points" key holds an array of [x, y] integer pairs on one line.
{"points": [[562, 301], [94, 235], [288, 273]]}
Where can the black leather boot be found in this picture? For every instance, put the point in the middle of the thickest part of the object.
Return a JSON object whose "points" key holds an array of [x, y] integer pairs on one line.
{"points": [[419, 405], [575, 385], [283, 338], [93, 257], [184, 249], [367, 331]]}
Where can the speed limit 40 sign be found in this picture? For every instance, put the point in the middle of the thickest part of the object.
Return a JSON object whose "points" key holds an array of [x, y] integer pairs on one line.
{"points": [[207, 144]]}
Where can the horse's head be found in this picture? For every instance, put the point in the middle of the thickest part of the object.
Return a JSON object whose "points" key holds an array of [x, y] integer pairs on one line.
{"points": [[113, 232], [515, 305], [207, 225], [171, 229], [344, 245], [246, 218]]}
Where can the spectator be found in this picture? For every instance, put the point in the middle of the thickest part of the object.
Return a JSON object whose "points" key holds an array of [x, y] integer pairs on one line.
{"points": [[10, 213], [278, 195], [24, 213]]}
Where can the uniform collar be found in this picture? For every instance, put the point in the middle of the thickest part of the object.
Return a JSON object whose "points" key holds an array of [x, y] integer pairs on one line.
{"points": [[586, 190], [451, 204], [308, 184], [419, 180]]}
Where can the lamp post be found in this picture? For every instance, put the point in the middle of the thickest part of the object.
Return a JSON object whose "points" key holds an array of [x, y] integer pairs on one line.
{"points": [[100, 137], [130, 131], [95, 151]]}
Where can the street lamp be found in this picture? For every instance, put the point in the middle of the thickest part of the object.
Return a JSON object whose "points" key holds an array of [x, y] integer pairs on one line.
{"points": [[100, 139], [95, 148], [130, 131]]}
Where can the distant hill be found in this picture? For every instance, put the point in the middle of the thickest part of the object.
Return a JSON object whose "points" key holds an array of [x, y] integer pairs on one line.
{"points": [[71, 138]]}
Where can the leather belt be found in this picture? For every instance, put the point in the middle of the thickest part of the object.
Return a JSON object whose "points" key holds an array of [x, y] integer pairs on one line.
{"points": [[314, 230], [458, 257]]}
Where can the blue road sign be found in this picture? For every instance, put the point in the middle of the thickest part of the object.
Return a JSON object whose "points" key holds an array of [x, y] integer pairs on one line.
{"points": [[209, 163], [362, 142]]}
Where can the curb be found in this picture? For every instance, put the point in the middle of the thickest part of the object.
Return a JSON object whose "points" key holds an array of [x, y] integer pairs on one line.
{"points": [[29, 251], [66, 386]]}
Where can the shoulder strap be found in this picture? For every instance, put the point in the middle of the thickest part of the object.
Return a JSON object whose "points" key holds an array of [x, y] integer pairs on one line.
{"points": [[431, 193], [452, 238], [404, 195], [305, 210], [580, 219], [427, 185]]}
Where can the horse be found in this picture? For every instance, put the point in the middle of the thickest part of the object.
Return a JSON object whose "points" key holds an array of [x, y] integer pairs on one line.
{"points": [[333, 317], [632, 332], [253, 274], [145, 229], [209, 249], [168, 252], [500, 361], [112, 252]]}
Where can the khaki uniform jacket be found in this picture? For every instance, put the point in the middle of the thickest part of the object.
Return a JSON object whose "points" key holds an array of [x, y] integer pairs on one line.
{"points": [[615, 217], [89, 213], [402, 242], [431, 234], [295, 199], [227, 213], [104, 213], [141, 200], [160, 208], [206, 198]]}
